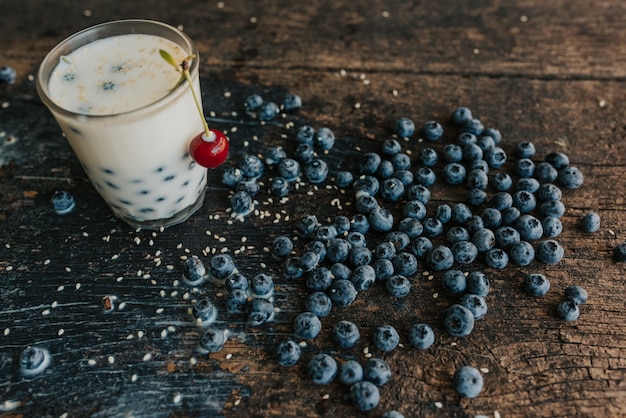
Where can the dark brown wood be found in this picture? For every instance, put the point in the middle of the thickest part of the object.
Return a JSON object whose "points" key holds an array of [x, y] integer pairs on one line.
{"points": [[548, 72]]}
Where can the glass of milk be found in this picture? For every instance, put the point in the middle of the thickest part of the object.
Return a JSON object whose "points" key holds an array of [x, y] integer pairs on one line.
{"points": [[128, 118]]}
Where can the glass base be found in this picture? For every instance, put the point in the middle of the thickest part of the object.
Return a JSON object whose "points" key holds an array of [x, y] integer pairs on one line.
{"points": [[157, 224]]}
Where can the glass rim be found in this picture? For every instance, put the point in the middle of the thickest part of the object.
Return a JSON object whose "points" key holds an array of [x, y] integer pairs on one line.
{"points": [[106, 30]]}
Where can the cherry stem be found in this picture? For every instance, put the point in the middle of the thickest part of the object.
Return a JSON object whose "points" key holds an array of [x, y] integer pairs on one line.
{"points": [[207, 131]]}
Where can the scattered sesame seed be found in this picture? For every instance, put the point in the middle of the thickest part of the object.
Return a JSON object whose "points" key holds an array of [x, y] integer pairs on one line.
{"points": [[68, 269], [523, 18], [229, 356], [54, 304], [357, 105], [227, 93], [253, 19], [385, 13], [476, 51], [46, 312], [147, 357], [439, 405], [326, 396], [602, 103], [237, 401], [6, 331], [46, 262], [394, 92], [111, 359], [496, 414], [435, 295], [484, 370], [91, 362], [177, 398], [134, 378]]}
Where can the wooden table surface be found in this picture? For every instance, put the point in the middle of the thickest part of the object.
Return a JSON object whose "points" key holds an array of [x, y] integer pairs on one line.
{"points": [[550, 72]]}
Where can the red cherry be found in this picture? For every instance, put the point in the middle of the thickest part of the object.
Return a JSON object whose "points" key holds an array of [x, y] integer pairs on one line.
{"points": [[209, 152]]}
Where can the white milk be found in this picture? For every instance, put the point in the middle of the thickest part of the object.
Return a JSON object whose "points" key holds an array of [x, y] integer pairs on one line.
{"points": [[138, 158]]}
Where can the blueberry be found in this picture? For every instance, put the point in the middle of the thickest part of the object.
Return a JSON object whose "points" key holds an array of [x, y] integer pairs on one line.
{"points": [[360, 256], [326, 233], [260, 311], [322, 369], [475, 126], [549, 251], [464, 252], [405, 176], [381, 219], [307, 225], [545, 172], [432, 131], [344, 179], [364, 395], [369, 162], [34, 360], [454, 173], [236, 280], [356, 239], [468, 381], [496, 157], [398, 239], [476, 304], [305, 135], [476, 197], [386, 338], [324, 138], [475, 223], [319, 279], [391, 147], [472, 152], [401, 161], [404, 127], [421, 336], [524, 201], [466, 138], [342, 292], [590, 222], [237, 301], [529, 227], [385, 249], [576, 294], [340, 271], [316, 171], [484, 239], [341, 224], [619, 252], [289, 169], [319, 304], [477, 179], [262, 285], [553, 208], [307, 325], [425, 176], [398, 286], [63, 202], [506, 237], [440, 258], [536, 284], [427, 157], [478, 165], [501, 201], [337, 250], [292, 102], [461, 213], [292, 268], [251, 166], [383, 269], [365, 204], [414, 209], [454, 282], [250, 186], [231, 176], [392, 414], [461, 116], [288, 353], [492, 218], [458, 320], [433, 227], [193, 270], [212, 340], [241, 203], [8, 75], [493, 133], [275, 155], [510, 215], [204, 311], [253, 103], [443, 212], [346, 334], [452, 153], [377, 371], [557, 160], [552, 227], [385, 169], [548, 192], [268, 111], [366, 185], [421, 247], [457, 234], [570, 177], [221, 266], [281, 246], [486, 143], [568, 311], [522, 253], [418, 192], [524, 167], [478, 283], [391, 190], [309, 260], [410, 227], [501, 182], [528, 184], [363, 277], [350, 372], [496, 258], [304, 153]]}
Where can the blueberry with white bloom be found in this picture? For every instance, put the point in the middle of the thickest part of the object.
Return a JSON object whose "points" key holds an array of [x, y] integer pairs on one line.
{"points": [[356, 239], [510, 215], [304, 153], [475, 223], [386, 338], [363, 277], [251, 166], [212, 340], [404, 263], [288, 353], [237, 301], [545, 172], [418, 192], [464, 252], [291, 268], [570, 177], [421, 246], [34, 360], [452, 153], [443, 212], [221, 266], [360, 256], [427, 157], [385, 169], [568, 311], [458, 321], [472, 152], [289, 169], [344, 179], [492, 218], [260, 311], [476, 304], [486, 143], [477, 179], [529, 227], [425, 176], [231, 176], [268, 111], [342, 292], [398, 286], [275, 155], [529, 184], [193, 271], [350, 372], [548, 192], [385, 249], [468, 381], [552, 227], [292, 102], [405, 176], [454, 282], [241, 203], [366, 184], [590, 222], [553, 208], [8, 74], [383, 268], [439, 258], [398, 239], [236, 280], [461, 116], [496, 258], [377, 371], [337, 250], [484, 239], [401, 161], [346, 334], [391, 147], [391, 190], [465, 138], [524, 201], [340, 271], [305, 135], [536, 284], [501, 181], [476, 197], [319, 304], [262, 285], [404, 127], [307, 325], [549, 251], [454, 173], [381, 219], [524, 167], [506, 237], [478, 283], [63, 202], [414, 209], [413, 228], [522, 253], [281, 247], [432, 131], [324, 138], [316, 171], [322, 369], [576, 294], [421, 336], [253, 103], [369, 162], [557, 160], [364, 395], [318, 279], [205, 311], [496, 157], [475, 126], [433, 227], [461, 213]]}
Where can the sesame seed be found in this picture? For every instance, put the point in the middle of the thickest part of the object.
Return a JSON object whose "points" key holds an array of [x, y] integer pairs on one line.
{"points": [[439, 405], [177, 398], [46, 312], [91, 362], [326, 396], [147, 357], [602, 103], [435, 295], [6, 331], [523, 18], [111, 359], [484, 370], [46, 262], [134, 378], [229, 356]]}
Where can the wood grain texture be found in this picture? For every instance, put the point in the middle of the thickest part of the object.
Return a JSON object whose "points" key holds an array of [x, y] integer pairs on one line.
{"points": [[552, 73]]}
